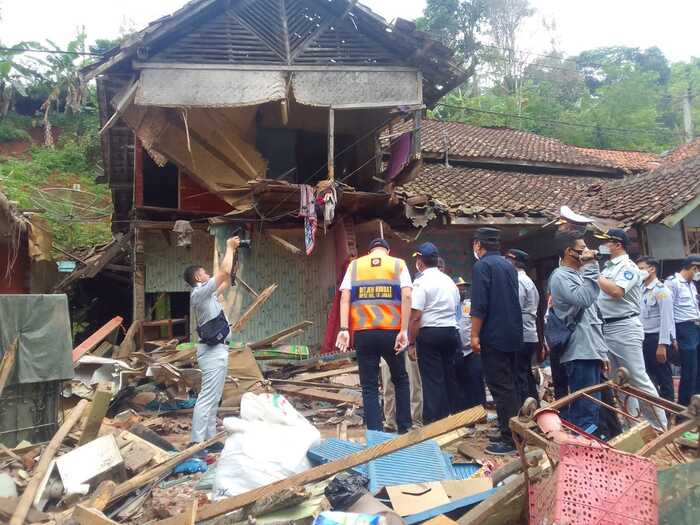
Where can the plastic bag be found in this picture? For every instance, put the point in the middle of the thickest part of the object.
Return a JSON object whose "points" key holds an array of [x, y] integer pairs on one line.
{"points": [[267, 443], [345, 490]]}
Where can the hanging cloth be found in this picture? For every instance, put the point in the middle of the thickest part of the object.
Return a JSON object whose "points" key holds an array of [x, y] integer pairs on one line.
{"points": [[307, 209]]}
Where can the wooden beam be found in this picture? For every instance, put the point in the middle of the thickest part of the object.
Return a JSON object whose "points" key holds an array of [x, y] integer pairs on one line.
{"points": [[96, 338], [467, 417], [310, 376], [264, 343], [322, 395], [98, 410], [128, 344], [257, 303], [121, 105], [47, 456], [102, 495], [284, 243], [7, 363], [87, 516]]}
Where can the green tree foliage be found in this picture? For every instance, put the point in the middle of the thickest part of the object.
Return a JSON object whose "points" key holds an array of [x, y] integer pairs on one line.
{"points": [[613, 97]]}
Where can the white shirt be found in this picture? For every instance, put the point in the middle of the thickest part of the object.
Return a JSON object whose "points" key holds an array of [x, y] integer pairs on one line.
{"points": [[404, 278], [436, 295], [685, 306], [625, 274], [529, 300]]}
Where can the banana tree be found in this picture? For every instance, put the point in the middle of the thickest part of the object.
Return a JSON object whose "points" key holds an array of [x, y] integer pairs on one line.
{"points": [[14, 75]]}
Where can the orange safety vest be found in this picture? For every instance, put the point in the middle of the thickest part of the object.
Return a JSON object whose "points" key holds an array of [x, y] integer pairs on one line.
{"points": [[375, 300]]}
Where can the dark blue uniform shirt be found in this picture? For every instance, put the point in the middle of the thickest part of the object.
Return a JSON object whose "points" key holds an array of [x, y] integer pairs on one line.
{"points": [[495, 300]]}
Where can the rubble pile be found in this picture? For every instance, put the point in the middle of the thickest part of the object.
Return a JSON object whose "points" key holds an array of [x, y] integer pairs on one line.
{"points": [[296, 451]]}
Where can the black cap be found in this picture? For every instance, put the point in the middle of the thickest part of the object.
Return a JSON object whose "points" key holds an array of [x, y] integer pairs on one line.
{"points": [[691, 260], [617, 235], [487, 235], [518, 255], [427, 249], [379, 243]]}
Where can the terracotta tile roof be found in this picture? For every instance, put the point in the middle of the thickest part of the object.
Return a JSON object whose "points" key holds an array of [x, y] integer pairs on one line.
{"points": [[477, 191], [634, 161], [654, 195], [465, 141], [642, 198]]}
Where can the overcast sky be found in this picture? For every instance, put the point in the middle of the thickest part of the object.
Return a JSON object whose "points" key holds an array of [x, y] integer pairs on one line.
{"points": [[671, 25]]}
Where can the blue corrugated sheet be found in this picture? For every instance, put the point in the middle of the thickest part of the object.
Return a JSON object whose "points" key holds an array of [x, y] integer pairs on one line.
{"points": [[463, 504], [415, 464], [332, 449], [465, 470]]}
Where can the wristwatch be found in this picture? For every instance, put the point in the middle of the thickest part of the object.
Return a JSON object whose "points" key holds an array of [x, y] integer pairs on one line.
{"points": [[343, 329]]}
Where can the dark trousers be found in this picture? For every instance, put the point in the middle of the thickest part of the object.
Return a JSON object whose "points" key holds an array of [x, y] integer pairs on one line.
{"points": [[437, 349], [659, 373], [559, 378], [581, 373], [524, 380], [470, 379], [371, 346], [499, 373], [688, 337]]}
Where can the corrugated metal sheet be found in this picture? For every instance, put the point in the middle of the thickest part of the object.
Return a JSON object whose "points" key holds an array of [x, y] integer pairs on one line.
{"points": [[415, 464], [306, 286], [165, 261], [332, 449]]}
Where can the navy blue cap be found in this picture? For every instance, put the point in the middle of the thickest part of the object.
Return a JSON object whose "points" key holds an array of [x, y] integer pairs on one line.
{"points": [[487, 235], [518, 255], [691, 260], [427, 249], [378, 242], [616, 235]]}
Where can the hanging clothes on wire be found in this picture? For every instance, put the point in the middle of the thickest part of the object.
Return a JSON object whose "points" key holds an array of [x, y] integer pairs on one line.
{"points": [[307, 209]]}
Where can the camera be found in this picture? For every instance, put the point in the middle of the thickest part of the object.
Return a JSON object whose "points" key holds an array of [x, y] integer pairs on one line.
{"points": [[245, 243]]}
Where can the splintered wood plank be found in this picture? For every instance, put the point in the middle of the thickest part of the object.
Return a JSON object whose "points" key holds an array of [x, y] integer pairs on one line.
{"points": [[323, 395], [184, 518], [128, 344], [467, 417], [96, 338], [87, 516], [279, 336], [98, 410], [257, 304], [310, 376], [8, 361]]}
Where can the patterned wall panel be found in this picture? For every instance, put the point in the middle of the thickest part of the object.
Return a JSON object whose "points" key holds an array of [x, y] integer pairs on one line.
{"points": [[165, 261], [306, 286]]}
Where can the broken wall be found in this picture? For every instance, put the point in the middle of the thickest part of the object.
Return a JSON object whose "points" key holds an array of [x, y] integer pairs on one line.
{"points": [[306, 285]]}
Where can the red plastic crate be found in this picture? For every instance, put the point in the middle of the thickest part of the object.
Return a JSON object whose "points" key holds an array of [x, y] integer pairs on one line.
{"points": [[596, 486]]}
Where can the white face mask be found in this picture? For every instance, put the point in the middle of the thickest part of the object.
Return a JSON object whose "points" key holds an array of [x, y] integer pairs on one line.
{"points": [[603, 249], [644, 274], [696, 276]]}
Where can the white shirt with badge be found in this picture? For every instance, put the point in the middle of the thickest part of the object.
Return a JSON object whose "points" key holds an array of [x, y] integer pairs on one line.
{"points": [[684, 294], [625, 274], [436, 295]]}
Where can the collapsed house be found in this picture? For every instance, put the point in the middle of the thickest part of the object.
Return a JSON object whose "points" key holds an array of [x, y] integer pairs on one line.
{"points": [[234, 110]]}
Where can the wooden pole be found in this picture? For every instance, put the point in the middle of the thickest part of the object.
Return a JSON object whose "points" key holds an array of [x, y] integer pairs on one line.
{"points": [[98, 410], [8, 361], [418, 435], [331, 144], [25, 502]]}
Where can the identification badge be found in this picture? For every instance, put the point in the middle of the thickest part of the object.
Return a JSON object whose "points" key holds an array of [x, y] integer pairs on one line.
{"points": [[376, 262]]}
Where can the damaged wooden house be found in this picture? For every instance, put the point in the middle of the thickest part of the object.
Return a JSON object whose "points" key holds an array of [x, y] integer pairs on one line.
{"points": [[260, 118]]}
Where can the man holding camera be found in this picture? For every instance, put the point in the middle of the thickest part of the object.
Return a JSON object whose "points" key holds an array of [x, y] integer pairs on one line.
{"points": [[213, 330]]}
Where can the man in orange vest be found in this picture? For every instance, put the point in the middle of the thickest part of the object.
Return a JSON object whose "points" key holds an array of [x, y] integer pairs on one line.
{"points": [[376, 303]]}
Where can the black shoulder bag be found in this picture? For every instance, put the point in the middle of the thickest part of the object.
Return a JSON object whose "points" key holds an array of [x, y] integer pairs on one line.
{"points": [[215, 331]]}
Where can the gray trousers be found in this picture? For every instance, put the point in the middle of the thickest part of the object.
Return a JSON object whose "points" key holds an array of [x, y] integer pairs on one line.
{"points": [[213, 362], [389, 394], [624, 340]]}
